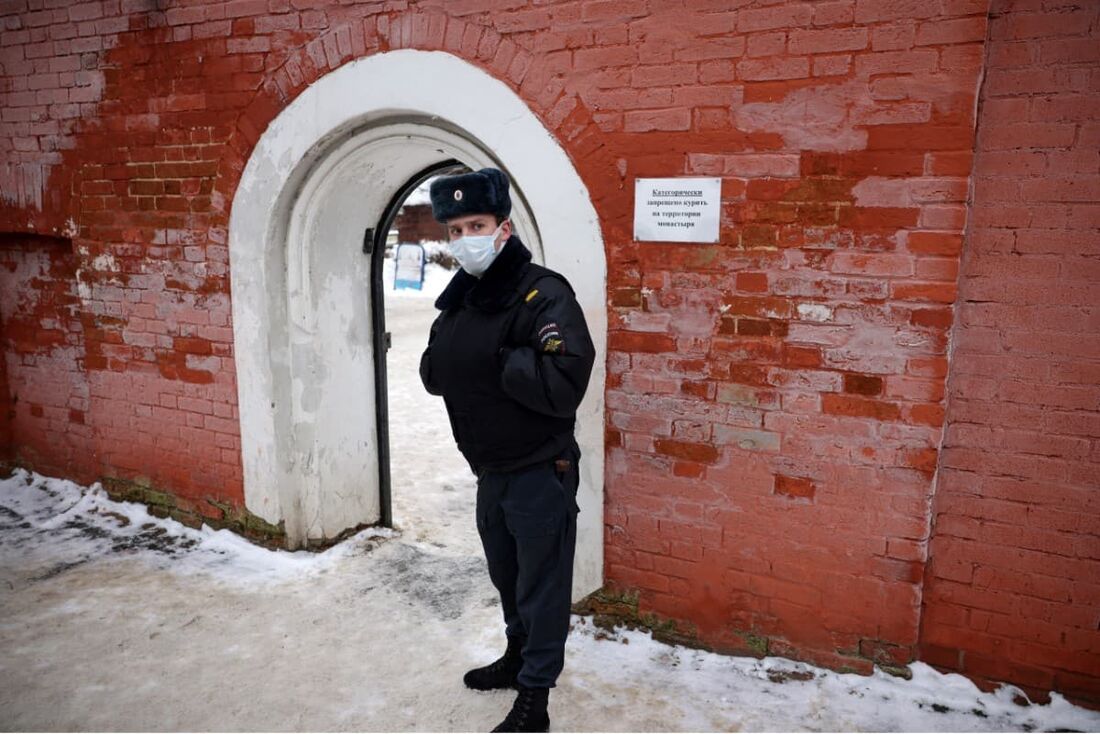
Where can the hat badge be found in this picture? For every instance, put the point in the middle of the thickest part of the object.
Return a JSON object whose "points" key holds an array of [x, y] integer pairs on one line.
{"points": [[458, 194]]}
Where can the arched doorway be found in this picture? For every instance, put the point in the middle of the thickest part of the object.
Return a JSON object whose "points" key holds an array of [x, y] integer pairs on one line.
{"points": [[321, 176]]}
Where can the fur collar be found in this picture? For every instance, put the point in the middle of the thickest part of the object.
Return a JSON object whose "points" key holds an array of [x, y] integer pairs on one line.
{"points": [[495, 289]]}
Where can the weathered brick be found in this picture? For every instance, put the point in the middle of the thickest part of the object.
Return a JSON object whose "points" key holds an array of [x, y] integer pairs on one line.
{"points": [[802, 358]]}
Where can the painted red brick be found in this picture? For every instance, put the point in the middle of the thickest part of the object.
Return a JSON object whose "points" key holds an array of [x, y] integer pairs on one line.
{"points": [[44, 389], [805, 356], [1011, 589], [794, 486], [415, 223]]}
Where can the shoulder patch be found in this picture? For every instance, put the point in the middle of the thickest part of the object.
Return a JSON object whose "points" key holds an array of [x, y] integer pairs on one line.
{"points": [[534, 292], [551, 340]]}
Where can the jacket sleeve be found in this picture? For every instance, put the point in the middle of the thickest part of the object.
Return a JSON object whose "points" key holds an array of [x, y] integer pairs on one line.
{"points": [[426, 363], [549, 374]]}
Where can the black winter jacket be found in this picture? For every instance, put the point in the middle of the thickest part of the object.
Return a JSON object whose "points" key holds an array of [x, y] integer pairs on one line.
{"points": [[511, 355]]}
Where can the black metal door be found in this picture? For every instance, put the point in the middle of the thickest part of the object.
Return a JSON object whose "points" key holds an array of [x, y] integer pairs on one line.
{"points": [[374, 244]]}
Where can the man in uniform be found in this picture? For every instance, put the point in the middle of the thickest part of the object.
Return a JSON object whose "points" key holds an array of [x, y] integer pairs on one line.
{"points": [[511, 355]]}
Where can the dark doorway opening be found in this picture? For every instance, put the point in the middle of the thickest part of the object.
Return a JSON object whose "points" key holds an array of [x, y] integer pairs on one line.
{"points": [[374, 244]]}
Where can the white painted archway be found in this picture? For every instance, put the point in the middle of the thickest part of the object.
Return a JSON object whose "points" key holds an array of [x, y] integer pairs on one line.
{"points": [[323, 172]]}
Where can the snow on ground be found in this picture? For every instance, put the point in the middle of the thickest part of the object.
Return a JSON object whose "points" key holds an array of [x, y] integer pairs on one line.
{"points": [[113, 619], [435, 280]]}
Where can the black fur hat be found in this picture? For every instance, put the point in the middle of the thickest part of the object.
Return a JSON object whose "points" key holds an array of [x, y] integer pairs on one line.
{"points": [[484, 191]]}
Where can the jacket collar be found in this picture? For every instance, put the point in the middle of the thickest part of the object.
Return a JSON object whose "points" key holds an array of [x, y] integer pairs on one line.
{"points": [[493, 290]]}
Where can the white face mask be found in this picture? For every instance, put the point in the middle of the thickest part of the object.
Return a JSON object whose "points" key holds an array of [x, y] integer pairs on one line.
{"points": [[475, 253]]}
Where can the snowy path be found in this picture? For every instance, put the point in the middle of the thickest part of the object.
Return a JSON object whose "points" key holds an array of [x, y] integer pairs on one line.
{"points": [[125, 621]]}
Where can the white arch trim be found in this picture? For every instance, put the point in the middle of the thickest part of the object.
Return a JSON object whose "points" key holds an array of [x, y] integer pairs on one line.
{"points": [[443, 90]]}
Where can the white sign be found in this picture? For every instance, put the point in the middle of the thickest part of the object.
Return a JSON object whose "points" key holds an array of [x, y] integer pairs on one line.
{"points": [[677, 209], [409, 266]]}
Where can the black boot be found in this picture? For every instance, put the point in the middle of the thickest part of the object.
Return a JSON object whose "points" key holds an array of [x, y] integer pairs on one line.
{"points": [[500, 673], [528, 712]]}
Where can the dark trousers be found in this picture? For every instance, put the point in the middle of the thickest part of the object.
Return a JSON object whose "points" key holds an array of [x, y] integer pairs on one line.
{"points": [[527, 519]]}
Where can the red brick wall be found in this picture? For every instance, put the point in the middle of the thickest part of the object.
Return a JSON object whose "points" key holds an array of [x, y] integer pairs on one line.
{"points": [[1013, 585], [7, 407], [109, 136], [44, 388], [415, 223], [775, 402]]}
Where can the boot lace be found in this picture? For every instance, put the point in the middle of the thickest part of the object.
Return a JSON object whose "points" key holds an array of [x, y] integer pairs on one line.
{"points": [[517, 717], [498, 665]]}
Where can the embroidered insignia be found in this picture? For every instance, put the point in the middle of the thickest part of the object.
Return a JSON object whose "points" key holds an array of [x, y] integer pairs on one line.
{"points": [[551, 340], [531, 295], [458, 194]]}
